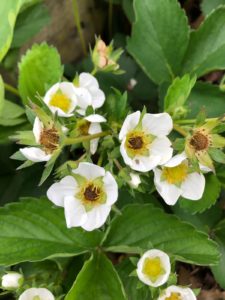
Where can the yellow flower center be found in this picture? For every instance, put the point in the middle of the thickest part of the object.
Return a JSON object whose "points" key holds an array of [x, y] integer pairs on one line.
{"points": [[137, 143], [200, 140], [36, 298], [174, 296], [175, 175], [61, 101], [153, 268]]}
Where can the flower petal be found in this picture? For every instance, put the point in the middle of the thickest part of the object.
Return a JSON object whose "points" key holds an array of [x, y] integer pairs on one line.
{"points": [[98, 97], [186, 293], [176, 160], [75, 212], [35, 154], [89, 171], [59, 190], [96, 217], [157, 124], [130, 123], [84, 98], [95, 118], [111, 188], [41, 293], [193, 187], [169, 192], [161, 147], [37, 128], [87, 80]]}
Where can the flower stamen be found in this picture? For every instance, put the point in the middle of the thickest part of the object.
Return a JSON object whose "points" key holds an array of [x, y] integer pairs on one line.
{"points": [[61, 101], [175, 175], [174, 296], [49, 139], [92, 193], [199, 141], [153, 268]]}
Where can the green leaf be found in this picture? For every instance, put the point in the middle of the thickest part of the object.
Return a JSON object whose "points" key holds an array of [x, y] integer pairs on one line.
{"points": [[158, 24], [2, 94], [205, 52], [178, 93], [141, 227], [39, 69], [8, 13], [207, 96], [130, 283], [128, 9], [210, 195], [28, 23], [208, 5], [219, 270], [12, 114], [97, 280], [217, 155], [34, 229]]}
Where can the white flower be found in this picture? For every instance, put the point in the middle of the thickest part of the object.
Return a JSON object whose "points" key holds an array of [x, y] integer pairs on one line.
{"points": [[12, 280], [144, 143], [154, 268], [93, 128], [135, 180], [88, 93], [177, 293], [48, 140], [61, 98], [175, 179], [87, 196], [37, 294]]}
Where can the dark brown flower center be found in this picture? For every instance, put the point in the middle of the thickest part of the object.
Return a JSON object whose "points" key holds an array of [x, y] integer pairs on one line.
{"points": [[199, 141], [49, 139], [92, 193], [136, 142]]}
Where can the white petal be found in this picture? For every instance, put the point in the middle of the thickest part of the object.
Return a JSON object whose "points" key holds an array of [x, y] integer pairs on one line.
{"points": [[205, 169], [37, 128], [186, 293], [157, 124], [87, 80], [129, 124], [161, 147], [165, 261], [93, 129], [98, 97], [135, 180], [193, 187], [44, 294], [35, 154], [11, 280], [96, 217], [176, 160], [75, 212], [59, 190], [111, 188], [51, 92], [95, 118], [89, 171], [169, 192], [84, 98]]}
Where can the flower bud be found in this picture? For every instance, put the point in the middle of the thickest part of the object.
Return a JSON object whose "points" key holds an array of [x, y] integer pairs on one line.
{"points": [[12, 280], [135, 180]]}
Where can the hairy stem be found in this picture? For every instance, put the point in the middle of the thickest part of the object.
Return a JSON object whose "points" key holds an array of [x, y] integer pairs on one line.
{"points": [[192, 121], [11, 89], [80, 139], [79, 29]]}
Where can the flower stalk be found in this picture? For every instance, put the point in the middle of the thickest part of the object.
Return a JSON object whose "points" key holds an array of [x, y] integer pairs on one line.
{"points": [[85, 138], [11, 89]]}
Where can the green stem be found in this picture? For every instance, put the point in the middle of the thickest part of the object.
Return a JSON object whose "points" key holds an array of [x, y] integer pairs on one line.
{"points": [[179, 129], [79, 29], [80, 139], [11, 89], [94, 71], [110, 18], [117, 163], [192, 121]]}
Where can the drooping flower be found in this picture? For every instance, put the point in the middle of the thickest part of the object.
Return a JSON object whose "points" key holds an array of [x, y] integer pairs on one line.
{"points": [[61, 99], [48, 140], [154, 268], [88, 92], [144, 144], [37, 294], [202, 143], [12, 280], [91, 125], [177, 293], [176, 178], [87, 196]]}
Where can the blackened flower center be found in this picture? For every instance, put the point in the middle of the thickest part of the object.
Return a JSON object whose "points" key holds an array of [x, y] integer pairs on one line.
{"points": [[92, 193], [49, 139], [136, 142], [199, 141]]}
